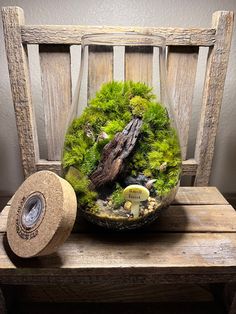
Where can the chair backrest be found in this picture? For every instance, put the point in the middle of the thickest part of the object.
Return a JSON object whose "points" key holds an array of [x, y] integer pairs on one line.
{"points": [[54, 43]]}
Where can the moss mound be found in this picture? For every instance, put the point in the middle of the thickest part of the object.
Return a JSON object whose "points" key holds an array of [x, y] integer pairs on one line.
{"points": [[156, 155]]}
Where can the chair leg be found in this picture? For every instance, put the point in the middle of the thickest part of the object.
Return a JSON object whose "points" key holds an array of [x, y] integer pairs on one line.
{"points": [[230, 297], [232, 309], [217, 291], [3, 308]]}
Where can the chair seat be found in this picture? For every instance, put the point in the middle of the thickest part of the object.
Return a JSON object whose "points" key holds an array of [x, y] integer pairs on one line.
{"points": [[193, 241]]}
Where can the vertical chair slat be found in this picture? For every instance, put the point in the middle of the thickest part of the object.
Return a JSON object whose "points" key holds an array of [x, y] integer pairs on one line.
{"points": [[139, 64], [100, 68], [56, 88], [182, 67], [212, 95], [13, 18]]}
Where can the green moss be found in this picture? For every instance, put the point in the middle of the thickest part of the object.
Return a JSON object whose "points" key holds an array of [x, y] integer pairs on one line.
{"points": [[80, 183], [117, 197], [138, 106], [156, 153]]}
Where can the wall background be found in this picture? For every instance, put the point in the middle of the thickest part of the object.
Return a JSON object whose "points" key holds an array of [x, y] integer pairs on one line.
{"points": [[182, 13]]}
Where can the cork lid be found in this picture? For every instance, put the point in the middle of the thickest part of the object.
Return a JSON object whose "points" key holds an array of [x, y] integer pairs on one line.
{"points": [[42, 215]]}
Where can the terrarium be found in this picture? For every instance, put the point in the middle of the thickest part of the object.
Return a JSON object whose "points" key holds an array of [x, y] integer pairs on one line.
{"points": [[122, 153]]}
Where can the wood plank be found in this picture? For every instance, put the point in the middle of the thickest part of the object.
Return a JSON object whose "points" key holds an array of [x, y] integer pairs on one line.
{"points": [[13, 19], [100, 68], [196, 218], [177, 218], [181, 84], [132, 259], [212, 95], [71, 34], [218, 216], [56, 89], [189, 166], [138, 64], [199, 196], [116, 293], [54, 166]]}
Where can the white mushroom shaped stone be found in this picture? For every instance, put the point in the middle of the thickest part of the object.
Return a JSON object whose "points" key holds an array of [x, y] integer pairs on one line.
{"points": [[135, 194]]}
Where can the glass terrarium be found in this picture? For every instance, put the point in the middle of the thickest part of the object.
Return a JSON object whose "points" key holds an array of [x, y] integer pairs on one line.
{"points": [[122, 153]]}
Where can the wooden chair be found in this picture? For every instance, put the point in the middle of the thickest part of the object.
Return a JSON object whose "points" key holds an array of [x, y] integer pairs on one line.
{"points": [[195, 239]]}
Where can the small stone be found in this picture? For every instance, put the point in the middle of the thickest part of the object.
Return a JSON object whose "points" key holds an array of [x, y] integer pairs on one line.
{"points": [[110, 203], [149, 184], [127, 205]]}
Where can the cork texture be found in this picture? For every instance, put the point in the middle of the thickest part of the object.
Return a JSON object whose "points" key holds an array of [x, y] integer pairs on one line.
{"points": [[55, 222]]}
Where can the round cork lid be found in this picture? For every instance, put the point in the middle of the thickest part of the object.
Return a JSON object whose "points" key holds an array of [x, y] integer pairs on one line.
{"points": [[42, 215]]}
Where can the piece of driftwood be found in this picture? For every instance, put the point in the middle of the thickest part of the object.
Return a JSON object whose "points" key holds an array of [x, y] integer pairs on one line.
{"points": [[115, 152]]}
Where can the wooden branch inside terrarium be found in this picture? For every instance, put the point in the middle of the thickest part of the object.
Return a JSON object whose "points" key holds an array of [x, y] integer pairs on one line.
{"points": [[115, 152]]}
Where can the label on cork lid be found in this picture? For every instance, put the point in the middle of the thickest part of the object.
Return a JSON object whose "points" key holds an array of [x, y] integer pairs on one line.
{"points": [[136, 193]]}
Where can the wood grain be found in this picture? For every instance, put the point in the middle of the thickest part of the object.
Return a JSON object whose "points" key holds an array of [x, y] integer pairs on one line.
{"points": [[132, 259], [138, 64], [183, 218], [100, 68], [54, 166], [189, 166], [199, 196], [217, 62], [13, 19], [71, 34], [181, 74], [56, 89]]}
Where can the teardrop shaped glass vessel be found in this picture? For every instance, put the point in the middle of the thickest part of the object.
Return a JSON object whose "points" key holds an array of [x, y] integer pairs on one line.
{"points": [[122, 153]]}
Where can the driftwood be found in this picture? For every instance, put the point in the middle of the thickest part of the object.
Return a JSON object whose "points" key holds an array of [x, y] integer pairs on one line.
{"points": [[114, 154]]}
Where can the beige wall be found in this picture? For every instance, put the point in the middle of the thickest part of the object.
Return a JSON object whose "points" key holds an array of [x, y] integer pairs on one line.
{"points": [[121, 12]]}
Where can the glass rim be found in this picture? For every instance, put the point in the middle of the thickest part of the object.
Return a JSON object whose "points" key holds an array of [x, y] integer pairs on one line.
{"points": [[123, 39]]}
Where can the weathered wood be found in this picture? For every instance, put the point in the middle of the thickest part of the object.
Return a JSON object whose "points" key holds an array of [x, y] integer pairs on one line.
{"points": [[54, 166], [199, 196], [196, 218], [212, 95], [189, 167], [13, 19], [100, 68], [71, 34], [181, 218], [181, 73], [185, 196], [135, 258], [138, 64], [56, 89], [114, 154], [115, 293]]}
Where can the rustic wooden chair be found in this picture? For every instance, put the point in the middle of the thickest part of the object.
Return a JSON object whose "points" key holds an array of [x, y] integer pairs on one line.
{"points": [[194, 241]]}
